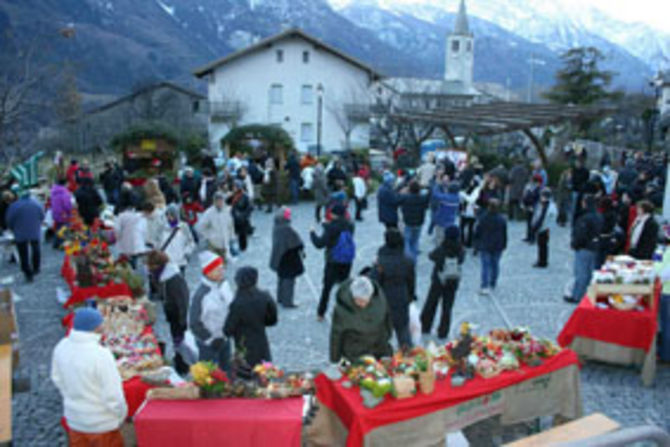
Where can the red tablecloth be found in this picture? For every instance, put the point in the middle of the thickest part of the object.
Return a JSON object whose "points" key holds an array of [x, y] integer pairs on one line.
{"points": [[359, 420], [631, 329], [239, 422], [81, 294]]}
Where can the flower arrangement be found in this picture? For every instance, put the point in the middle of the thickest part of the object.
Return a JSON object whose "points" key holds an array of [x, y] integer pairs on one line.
{"points": [[210, 379], [267, 372]]}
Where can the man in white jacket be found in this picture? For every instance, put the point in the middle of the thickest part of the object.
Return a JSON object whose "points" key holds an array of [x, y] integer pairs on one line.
{"points": [[208, 311], [86, 375], [216, 227]]}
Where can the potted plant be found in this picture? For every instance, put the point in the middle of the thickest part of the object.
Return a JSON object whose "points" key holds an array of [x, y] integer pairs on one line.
{"points": [[424, 365]]}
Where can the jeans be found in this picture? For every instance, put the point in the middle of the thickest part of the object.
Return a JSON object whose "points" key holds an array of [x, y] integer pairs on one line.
{"points": [[467, 226], [333, 273], [446, 294], [218, 352], [30, 265], [404, 337], [585, 263], [543, 248], [412, 235], [285, 288], [490, 261], [359, 208], [294, 187]]}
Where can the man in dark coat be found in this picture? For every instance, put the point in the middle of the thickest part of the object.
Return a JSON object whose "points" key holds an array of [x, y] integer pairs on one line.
{"points": [[293, 168], [395, 274], [413, 207], [111, 179], [88, 201], [585, 242], [644, 232], [189, 183], [518, 177], [361, 321], [24, 218], [580, 178], [334, 272], [335, 174], [250, 312], [286, 257], [491, 241], [387, 202]]}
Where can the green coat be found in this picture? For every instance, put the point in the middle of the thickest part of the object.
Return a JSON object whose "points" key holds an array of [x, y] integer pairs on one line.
{"points": [[360, 331]]}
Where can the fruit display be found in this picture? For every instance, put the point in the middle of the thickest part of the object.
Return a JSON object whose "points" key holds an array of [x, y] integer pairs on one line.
{"points": [[623, 283]]}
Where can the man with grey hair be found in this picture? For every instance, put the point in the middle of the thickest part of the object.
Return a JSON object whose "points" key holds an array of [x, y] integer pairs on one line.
{"points": [[361, 321]]}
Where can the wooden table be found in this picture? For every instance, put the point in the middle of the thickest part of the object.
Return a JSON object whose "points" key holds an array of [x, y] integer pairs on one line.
{"points": [[593, 425]]}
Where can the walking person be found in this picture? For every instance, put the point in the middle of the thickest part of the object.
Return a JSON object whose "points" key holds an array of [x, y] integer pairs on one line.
{"points": [[413, 207], [88, 379], [585, 242], [241, 210], [251, 312], [177, 240], [360, 195], [544, 216], [286, 257], [491, 241], [448, 258], [340, 250], [387, 202], [24, 218], [173, 292], [321, 192], [395, 275], [61, 208], [217, 228], [208, 311]]}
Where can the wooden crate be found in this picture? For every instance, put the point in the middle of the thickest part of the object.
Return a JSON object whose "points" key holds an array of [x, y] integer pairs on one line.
{"points": [[595, 290]]}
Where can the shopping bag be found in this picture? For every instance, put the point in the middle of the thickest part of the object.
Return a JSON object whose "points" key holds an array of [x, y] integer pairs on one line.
{"points": [[414, 324]]}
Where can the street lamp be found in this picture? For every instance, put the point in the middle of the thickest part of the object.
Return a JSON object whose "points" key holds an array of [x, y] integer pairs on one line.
{"points": [[319, 116]]}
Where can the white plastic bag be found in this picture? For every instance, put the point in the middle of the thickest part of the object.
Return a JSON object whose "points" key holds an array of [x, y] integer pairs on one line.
{"points": [[414, 324]]}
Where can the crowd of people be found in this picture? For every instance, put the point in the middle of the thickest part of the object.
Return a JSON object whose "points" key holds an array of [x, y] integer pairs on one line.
{"points": [[160, 225]]}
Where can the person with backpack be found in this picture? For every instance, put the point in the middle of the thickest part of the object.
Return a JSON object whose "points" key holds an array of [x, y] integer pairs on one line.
{"points": [[395, 274], [448, 258], [340, 251]]}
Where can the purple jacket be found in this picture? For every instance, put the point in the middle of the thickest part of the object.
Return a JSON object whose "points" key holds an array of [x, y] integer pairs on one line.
{"points": [[61, 204]]}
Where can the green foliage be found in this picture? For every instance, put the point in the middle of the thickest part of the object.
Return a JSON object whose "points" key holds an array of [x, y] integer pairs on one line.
{"points": [[192, 144], [580, 81], [554, 171], [274, 138], [143, 131]]}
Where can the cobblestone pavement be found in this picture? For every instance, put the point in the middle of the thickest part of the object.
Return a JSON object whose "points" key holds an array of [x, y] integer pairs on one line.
{"points": [[525, 295]]}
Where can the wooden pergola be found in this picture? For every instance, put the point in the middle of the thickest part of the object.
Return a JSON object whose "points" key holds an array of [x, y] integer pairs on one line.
{"points": [[501, 117]]}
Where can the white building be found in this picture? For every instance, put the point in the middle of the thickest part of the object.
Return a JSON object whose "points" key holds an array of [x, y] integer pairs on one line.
{"points": [[295, 81], [662, 84]]}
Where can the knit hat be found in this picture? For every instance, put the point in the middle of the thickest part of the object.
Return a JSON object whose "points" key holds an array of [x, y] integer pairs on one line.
{"points": [[361, 288], [87, 319], [452, 232], [209, 261], [246, 277], [339, 210]]}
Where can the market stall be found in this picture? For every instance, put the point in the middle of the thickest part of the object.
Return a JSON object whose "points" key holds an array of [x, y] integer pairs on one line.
{"points": [[520, 386], [617, 321], [79, 294]]}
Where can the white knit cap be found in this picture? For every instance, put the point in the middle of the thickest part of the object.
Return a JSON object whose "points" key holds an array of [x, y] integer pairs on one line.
{"points": [[209, 261], [361, 288]]}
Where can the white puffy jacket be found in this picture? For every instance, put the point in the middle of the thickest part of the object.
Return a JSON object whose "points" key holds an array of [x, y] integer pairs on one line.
{"points": [[130, 231], [86, 375], [216, 226], [181, 246]]}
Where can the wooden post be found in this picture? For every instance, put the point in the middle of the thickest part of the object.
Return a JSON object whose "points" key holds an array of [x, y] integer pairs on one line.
{"points": [[452, 138], [538, 146]]}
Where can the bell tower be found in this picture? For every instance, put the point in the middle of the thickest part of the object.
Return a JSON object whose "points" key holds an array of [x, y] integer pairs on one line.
{"points": [[459, 60]]}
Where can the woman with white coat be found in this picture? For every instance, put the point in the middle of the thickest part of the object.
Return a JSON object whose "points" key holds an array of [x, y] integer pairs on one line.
{"points": [[130, 231], [360, 193], [177, 241], [469, 198], [216, 227]]}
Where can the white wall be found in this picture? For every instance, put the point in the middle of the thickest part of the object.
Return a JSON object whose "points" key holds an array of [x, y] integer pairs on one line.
{"points": [[248, 80], [460, 64], [664, 100]]}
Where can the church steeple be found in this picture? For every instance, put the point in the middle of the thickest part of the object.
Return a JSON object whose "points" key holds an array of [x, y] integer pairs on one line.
{"points": [[462, 28], [459, 61]]}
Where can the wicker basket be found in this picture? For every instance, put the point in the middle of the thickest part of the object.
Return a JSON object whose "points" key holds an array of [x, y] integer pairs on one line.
{"points": [[427, 382], [404, 387]]}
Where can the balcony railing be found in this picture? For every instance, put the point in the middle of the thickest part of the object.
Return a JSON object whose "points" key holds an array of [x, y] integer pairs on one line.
{"points": [[357, 112], [225, 110]]}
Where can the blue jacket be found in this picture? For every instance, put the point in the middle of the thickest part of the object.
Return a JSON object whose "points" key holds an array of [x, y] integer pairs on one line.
{"points": [[491, 233], [387, 204], [24, 218], [447, 207]]}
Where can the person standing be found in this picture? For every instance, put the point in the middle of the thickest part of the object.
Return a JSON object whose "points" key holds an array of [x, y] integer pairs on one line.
{"points": [[286, 257], [208, 311], [189, 183], [395, 275], [543, 216], [413, 207], [426, 171], [88, 201], [155, 221], [448, 204], [61, 208], [321, 192], [469, 198], [111, 182], [580, 179], [518, 177], [86, 375], [448, 258], [241, 210], [130, 229], [585, 242], [293, 168], [531, 196], [177, 240], [387, 202], [251, 312], [217, 228], [563, 197], [361, 321], [610, 235], [173, 291], [644, 233], [154, 195], [24, 218], [491, 241], [270, 185], [360, 195], [71, 175], [340, 250]]}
